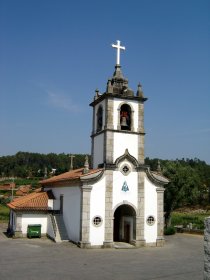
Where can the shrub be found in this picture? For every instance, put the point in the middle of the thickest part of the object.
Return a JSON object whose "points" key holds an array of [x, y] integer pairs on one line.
{"points": [[184, 219], [4, 213], [169, 231]]}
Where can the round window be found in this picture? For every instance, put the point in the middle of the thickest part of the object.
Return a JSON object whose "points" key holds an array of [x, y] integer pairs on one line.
{"points": [[125, 169], [97, 221], [151, 220]]}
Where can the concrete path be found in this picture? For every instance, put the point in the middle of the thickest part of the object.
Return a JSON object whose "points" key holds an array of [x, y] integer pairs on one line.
{"points": [[29, 259]]}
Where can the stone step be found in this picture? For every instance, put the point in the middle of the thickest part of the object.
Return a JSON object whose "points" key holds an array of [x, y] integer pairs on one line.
{"points": [[123, 245]]}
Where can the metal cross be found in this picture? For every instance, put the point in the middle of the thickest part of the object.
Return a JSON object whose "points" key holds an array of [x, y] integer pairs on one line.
{"points": [[118, 47]]}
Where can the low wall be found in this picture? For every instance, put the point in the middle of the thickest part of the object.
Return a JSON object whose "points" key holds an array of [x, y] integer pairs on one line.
{"points": [[207, 249]]}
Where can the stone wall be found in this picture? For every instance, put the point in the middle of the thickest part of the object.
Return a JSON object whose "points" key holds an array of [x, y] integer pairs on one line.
{"points": [[207, 249]]}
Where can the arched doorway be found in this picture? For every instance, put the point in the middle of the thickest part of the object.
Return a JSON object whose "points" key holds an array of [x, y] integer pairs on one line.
{"points": [[124, 224]]}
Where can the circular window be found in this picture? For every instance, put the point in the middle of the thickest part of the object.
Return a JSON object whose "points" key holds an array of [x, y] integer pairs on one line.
{"points": [[151, 220], [97, 221], [125, 169]]}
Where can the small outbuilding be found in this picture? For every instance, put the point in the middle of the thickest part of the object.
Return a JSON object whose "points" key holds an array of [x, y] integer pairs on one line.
{"points": [[33, 208]]}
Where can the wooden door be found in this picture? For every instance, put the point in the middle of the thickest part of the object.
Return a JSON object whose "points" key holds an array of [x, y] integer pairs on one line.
{"points": [[127, 232]]}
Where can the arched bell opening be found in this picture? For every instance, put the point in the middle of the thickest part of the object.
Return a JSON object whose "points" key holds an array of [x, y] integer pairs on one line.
{"points": [[124, 224], [99, 119], [125, 117]]}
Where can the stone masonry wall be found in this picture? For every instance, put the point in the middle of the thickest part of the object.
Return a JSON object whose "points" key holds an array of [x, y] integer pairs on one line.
{"points": [[207, 249]]}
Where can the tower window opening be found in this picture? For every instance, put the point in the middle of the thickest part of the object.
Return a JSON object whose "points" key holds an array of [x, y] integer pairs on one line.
{"points": [[125, 117], [99, 119]]}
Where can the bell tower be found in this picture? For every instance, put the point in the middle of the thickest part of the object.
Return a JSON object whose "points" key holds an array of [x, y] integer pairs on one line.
{"points": [[118, 120]]}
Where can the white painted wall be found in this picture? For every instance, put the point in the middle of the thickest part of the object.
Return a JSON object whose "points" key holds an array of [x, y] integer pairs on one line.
{"points": [[98, 155], [134, 106], [118, 195], [150, 232], [54, 203], [30, 219], [123, 141], [97, 202], [50, 204], [71, 209]]}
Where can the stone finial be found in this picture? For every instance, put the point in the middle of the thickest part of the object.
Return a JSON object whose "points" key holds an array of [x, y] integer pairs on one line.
{"points": [[96, 94], [118, 73], [86, 166], [109, 87], [45, 172], [71, 162], [140, 91], [126, 152], [159, 167]]}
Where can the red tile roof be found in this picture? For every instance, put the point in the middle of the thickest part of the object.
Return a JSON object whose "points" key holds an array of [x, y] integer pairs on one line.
{"points": [[69, 176], [7, 187], [34, 201], [23, 190]]}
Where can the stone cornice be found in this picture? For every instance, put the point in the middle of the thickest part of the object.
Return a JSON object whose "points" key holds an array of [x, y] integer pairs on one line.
{"points": [[118, 96], [117, 131], [114, 167], [159, 180], [86, 188], [91, 178], [160, 190]]}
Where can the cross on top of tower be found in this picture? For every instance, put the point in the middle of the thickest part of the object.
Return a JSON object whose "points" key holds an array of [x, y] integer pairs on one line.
{"points": [[118, 47]]}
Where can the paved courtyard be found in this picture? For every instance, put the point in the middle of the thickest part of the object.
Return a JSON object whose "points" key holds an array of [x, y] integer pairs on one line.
{"points": [[180, 258]]}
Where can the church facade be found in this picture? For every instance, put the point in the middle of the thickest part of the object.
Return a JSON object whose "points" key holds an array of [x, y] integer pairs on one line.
{"points": [[114, 199]]}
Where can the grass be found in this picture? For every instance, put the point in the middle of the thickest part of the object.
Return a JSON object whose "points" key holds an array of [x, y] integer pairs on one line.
{"points": [[185, 219], [4, 213]]}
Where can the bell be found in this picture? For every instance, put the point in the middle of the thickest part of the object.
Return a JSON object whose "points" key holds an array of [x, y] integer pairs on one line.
{"points": [[124, 121]]}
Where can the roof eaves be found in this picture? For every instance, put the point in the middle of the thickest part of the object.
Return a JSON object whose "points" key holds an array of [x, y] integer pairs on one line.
{"points": [[67, 176], [157, 179], [34, 199]]}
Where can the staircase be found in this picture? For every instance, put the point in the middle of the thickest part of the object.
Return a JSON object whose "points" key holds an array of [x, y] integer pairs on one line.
{"points": [[61, 233]]}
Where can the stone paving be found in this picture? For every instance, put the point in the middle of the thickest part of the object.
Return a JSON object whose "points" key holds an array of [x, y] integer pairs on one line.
{"points": [[30, 259]]}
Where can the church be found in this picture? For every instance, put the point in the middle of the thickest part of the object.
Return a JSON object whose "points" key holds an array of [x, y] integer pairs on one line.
{"points": [[115, 198]]}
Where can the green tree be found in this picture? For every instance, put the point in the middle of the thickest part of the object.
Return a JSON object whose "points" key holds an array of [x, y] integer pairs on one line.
{"points": [[184, 186], [25, 164]]}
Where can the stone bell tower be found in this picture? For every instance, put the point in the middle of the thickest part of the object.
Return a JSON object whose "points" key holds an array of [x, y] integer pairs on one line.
{"points": [[118, 120]]}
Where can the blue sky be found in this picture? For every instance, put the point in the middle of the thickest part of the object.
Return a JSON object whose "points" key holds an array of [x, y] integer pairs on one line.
{"points": [[54, 54]]}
